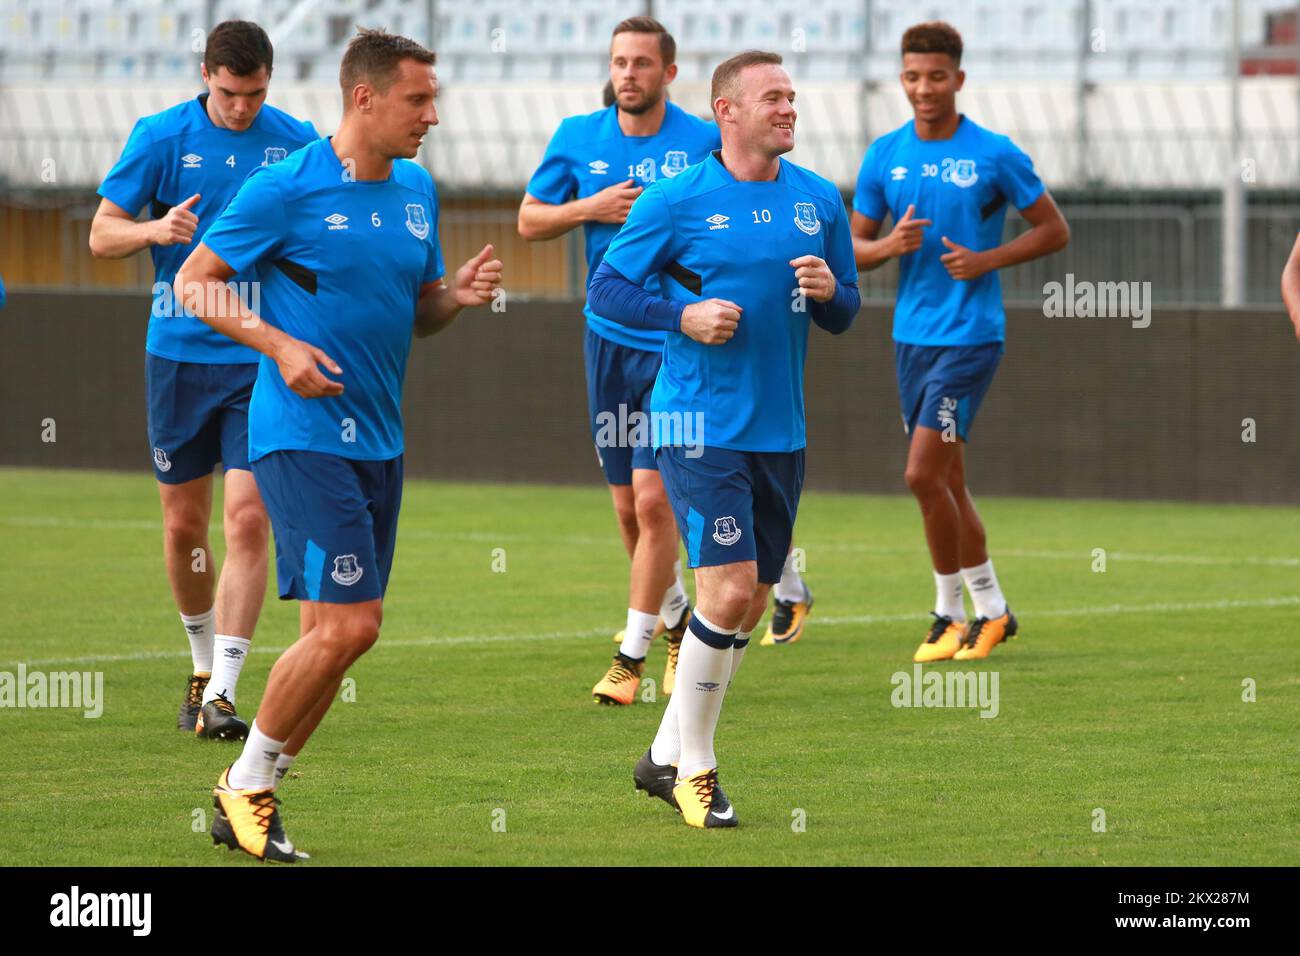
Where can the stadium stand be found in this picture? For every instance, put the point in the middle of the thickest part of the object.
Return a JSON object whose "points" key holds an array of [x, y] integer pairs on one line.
{"points": [[1123, 104]]}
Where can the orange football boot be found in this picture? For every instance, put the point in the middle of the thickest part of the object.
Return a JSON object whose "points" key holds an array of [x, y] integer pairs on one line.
{"points": [[984, 634], [943, 641]]}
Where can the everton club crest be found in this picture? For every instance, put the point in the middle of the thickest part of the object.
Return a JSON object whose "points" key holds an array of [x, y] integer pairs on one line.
{"points": [[805, 217], [346, 570], [962, 173], [416, 223], [674, 162], [725, 530]]}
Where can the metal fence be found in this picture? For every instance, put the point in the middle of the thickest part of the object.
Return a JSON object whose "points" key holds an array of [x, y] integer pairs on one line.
{"points": [[1173, 243]]}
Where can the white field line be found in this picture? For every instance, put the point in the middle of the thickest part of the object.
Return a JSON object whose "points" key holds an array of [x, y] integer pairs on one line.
{"points": [[449, 641], [494, 538]]}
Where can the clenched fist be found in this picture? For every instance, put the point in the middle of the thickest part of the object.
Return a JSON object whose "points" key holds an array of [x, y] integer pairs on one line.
{"points": [[816, 280], [711, 322]]}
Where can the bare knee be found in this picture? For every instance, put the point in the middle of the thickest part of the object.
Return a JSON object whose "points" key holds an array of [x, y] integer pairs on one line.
{"points": [[247, 528], [733, 598], [184, 523], [925, 482], [653, 513], [347, 634]]}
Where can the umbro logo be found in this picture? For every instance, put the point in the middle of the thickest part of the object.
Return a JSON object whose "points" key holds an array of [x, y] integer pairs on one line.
{"points": [[981, 584], [191, 160], [598, 167], [194, 628], [337, 221], [234, 652], [718, 221], [707, 685], [897, 173]]}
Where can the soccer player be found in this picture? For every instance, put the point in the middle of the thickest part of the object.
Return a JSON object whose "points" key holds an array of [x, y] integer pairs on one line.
{"points": [[1291, 285], [594, 168], [748, 248], [947, 183], [186, 163], [343, 236]]}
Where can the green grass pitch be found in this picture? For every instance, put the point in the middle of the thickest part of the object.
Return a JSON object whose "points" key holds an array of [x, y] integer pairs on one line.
{"points": [[1124, 693]]}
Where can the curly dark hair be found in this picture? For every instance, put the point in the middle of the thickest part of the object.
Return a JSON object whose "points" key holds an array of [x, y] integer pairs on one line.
{"points": [[935, 37]]}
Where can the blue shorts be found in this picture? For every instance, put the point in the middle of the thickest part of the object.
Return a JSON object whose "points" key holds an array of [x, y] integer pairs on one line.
{"points": [[335, 523], [734, 505], [619, 382], [942, 386], [198, 416]]}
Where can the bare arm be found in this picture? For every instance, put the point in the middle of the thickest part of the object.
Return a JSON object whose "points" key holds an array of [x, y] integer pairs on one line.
{"points": [[475, 283], [1291, 285], [539, 220], [1047, 233], [203, 287], [114, 233]]}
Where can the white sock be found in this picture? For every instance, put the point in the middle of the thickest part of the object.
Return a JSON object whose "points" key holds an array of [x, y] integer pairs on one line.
{"points": [[255, 768], [199, 628], [637, 635], [947, 596], [790, 588], [702, 674], [984, 590], [667, 746], [675, 599], [282, 765], [228, 655]]}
